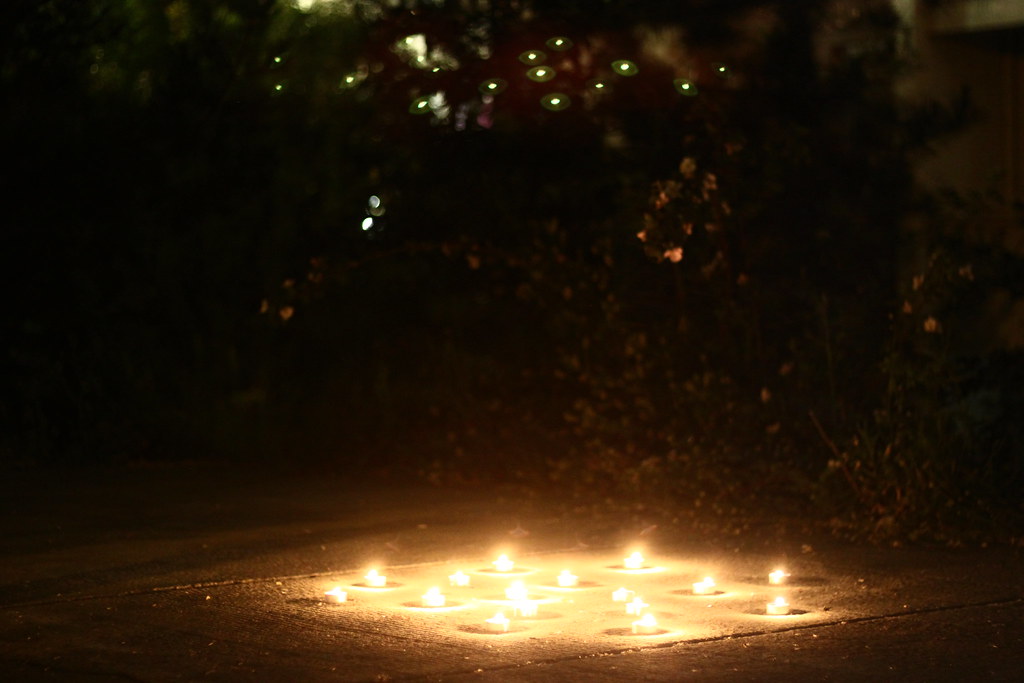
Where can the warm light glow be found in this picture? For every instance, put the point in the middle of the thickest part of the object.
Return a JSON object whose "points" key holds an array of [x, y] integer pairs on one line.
{"points": [[621, 595], [498, 623], [567, 579], [705, 587], [778, 606], [374, 579], [516, 591], [637, 606], [777, 577], [645, 625], [634, 561], [526, 608], [336, 594], [459, 578], [433, 598], [503, 564]]}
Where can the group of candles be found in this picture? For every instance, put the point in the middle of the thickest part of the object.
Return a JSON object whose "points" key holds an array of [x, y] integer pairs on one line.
{"points": [[517, 594]]}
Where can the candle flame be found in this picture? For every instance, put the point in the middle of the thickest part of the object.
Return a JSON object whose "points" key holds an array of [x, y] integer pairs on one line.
{"points": [[636, 606], [503, 564], [621, 595], [337, 594], [647, 620], [459, 578], [499, 620], [634, 561], [516, 591]]}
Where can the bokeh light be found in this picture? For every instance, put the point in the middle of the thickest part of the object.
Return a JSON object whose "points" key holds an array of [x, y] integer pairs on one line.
{"points": [[684, 86], [559, 43], [541, 74], [624, 67], [493, 86], [555, 101], [533, 57]]}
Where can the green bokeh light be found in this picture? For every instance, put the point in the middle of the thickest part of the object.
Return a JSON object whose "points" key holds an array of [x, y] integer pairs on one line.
{"points": [[421, 105], [492, 86], [624, 67], [721, 69], [684, 86], [559, 43], [533, 57], [555, 101], [541, 74]]}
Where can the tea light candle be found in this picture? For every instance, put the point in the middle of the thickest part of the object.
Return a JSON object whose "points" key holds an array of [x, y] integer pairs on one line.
{"points": [[778, 607], [337, 595], [636, 607], [634, 561], [777, 577], [705, 587], [516, 591], [503, 564], [498, 623], [645, 625], [526, 608], [567, 579], [376, 580], [459, 578], [433, 598], [621, 595]]}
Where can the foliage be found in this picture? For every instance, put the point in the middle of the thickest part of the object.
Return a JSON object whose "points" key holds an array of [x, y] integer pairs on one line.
{"points": [[939, 457]]}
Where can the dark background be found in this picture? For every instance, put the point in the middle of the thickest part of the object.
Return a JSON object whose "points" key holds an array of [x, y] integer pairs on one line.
{"points": [[703, 302]]}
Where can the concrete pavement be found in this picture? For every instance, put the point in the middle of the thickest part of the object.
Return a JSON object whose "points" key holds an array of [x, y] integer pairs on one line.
{"points": [[202, 572]]}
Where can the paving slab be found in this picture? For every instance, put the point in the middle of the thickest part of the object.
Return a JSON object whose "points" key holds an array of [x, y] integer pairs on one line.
{"points": [[159, 575]]}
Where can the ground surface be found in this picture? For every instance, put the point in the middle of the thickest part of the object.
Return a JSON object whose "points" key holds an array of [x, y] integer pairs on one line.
{"points": [[192, 573]]}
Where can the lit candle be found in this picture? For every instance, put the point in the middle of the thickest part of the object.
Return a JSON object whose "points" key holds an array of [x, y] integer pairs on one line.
{"points": [[516, 591], [567, 579], [337, 595], [526, 608], [777, 577], [503, 564], [376, 580], [634, 561], [433, 598], [705, 587], [778, 606], [645, 625], [498, 623], [621, 595], [459, 578], [636, 607]]}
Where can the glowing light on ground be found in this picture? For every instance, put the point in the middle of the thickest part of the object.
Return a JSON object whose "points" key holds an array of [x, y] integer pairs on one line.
{"points": [[498, 623], [778, 607], [646, 625], [459, 578], [375, 580], [637, 606], [634, 561], [336, 594], [622, 595], [706, 586], [433, 598], [777, 577], [503, 564], [567, 579]]}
